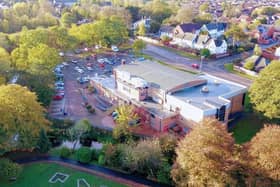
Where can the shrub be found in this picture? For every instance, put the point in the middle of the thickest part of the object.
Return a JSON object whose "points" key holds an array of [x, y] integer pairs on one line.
{"points": [[9, 170], [163, 175], [95, 154], [240, 49], [101, 160], [92, 110], [84, 155], [65, 152], [249, 65], [88, 107]]}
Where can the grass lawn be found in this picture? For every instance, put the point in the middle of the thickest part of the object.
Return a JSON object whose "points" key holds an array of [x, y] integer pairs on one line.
{"points": [[246, 127], [38, 175]]}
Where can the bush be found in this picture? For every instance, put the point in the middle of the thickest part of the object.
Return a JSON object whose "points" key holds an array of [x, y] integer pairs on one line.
{"points": [[65, 152], [84, 155], [9, 170], [92, 110], [249, 65], [240, 49], [163, 175], [101, 160], [95, 154]]}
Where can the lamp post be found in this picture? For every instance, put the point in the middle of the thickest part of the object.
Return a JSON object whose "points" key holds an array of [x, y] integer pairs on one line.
{"points": [[201, 61]]}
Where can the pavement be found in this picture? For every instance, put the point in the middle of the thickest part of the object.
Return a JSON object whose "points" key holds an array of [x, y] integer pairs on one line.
{"points": [[212, 67]]}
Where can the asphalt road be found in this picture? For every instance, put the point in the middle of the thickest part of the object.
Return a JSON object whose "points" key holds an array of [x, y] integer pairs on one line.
{"points": [[212, 67]]}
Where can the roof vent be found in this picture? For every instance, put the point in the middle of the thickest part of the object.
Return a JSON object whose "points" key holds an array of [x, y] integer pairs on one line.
{"points": [[216, 82], [188, 101], [205, 89]]}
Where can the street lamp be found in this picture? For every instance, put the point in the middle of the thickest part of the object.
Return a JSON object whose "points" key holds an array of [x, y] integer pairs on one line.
{"points": [[200, 66]]}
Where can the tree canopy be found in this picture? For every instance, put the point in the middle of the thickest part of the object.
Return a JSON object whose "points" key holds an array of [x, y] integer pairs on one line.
{"points": [[21, 118], [264, 150], [205, 156], [265, 91]]}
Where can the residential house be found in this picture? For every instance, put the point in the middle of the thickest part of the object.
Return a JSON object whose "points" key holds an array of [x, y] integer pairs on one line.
{"points": [[165, 97], [215, 30], [166, 31], [145, 21]]}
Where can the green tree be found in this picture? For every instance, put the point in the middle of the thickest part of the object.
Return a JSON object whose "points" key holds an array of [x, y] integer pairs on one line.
{"points": [[236, 33], [138, 46], [122, 130], [5, 60], [205, 157], [204, 7], [42, 59], [141, 30], [185, 14], [21, 118], [266, 99], [263, 152], [44, 143], [81, 127], [67, 19]]}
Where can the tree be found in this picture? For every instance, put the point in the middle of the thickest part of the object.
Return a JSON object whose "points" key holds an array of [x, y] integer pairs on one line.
{"points": [[5, 60], [263, 150], [205, 156], [266, 99], [185, 14], [21, 118], [138, 46], [257, 50], [141, 30], [236, 33], [44, 143], [67, 19], [42, 59], [204, 7], [122, 130], [9, 170], [81, 127], [204, 53]]}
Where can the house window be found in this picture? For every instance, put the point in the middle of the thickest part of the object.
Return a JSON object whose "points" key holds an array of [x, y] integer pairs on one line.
{"points": [[153, 116]]}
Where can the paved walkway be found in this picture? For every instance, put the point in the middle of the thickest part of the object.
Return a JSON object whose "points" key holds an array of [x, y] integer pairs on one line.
{"points": [[129, 180]]}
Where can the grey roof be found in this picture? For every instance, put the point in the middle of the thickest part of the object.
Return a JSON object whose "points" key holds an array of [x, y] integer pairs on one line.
{"points": [[166, 29], [159, 75], [190, 27]]}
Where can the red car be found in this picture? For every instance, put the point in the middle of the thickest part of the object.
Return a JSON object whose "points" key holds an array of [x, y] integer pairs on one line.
{"points": [[101, 65], [196, 66], [57, 97]]}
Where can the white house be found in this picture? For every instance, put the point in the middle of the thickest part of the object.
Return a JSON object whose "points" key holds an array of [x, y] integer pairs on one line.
{"points": [[215, 30], [145, 21]]}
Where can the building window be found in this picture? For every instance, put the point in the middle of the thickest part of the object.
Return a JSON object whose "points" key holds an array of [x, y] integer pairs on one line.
{"points": [[153, 116], [220, 113]]}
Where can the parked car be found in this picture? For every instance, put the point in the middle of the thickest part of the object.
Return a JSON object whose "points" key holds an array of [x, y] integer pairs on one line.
{"points": [[59, 87], [65, 63], [94, 56], [101, 65], [89, 64], [59, 75], [115, 48], [89, 68], [80, 70], [59, 84], [196, 66], [74, 61], [82, 80], [101, 61], [57, 97], [87, 57], [108, 61]]}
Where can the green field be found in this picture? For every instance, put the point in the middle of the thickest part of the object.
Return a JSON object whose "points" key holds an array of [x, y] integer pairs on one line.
{"points": [[38, 175]]}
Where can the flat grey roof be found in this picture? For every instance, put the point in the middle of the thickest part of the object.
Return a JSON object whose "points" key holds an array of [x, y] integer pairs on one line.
{"points": [[219, 91], [163, 76]]}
